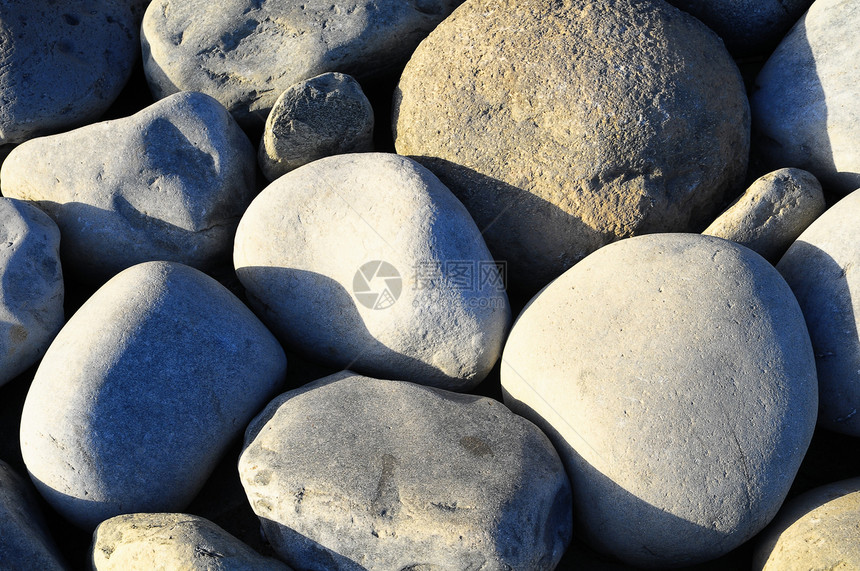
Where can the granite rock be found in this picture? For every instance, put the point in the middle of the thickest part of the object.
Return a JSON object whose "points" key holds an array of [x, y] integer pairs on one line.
{"points": [[319, 117], [352, 473], [142, 391], [366, 261], [625, 117], [675, 376], [168, 183]]}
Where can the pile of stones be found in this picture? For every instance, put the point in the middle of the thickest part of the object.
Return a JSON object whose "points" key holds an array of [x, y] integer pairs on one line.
{"points": [[438, 284]]}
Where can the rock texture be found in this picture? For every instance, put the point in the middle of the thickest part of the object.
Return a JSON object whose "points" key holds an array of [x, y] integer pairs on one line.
{"points": [[772, 213], [142, 391], [817, 530], [319, 117], [820, 268], [139, 542], [351, 472], [25, 542], [246, 53], [626, 117], [805, 107], [366, 261], [61, 66], [31, 286], [748, 27], [168, 183], [675, 376]]}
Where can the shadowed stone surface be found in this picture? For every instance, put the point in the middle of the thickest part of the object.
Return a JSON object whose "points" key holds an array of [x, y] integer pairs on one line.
{"points": [[351, 473], [168, 183], [142, 391], [675, 376]]}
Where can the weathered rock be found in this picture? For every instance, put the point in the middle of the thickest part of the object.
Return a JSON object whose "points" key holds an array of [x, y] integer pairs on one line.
{"points": [[31, 286], [319, 117], [627, 117], [140, 542], [351, 472], [805, 109], [142, 391], [748, 27], [62, 66], [817, 530], [366, 261], [772, 213], [675, 376], [245, 53], [168, 183], [25, 542], [821, 268]]}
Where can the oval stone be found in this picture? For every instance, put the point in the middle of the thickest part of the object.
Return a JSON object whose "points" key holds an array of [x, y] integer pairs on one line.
{"points": [[142, 391], [675, 376]]}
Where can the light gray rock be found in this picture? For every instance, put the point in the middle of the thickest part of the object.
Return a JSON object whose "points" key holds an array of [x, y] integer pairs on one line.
{"points": [[352, 473], [626, 117], [748, 27], [366, 261], [805, 110], [25, 543], [772, 213], [675, 376], [146, 541], [245, 53], [142, 391], [817, 530], [821, 268], [168, 183], [319, 117], [62, 66], [31, 286]]}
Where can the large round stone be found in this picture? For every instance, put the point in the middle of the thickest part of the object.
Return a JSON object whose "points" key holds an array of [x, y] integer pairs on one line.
{"points": [[820, 268], [31, 286], [168, 183], [563, 126], [816, 530], [676, 378], [351, 473], [245, 53], [142, 391], [805, 105], [367, 262]]}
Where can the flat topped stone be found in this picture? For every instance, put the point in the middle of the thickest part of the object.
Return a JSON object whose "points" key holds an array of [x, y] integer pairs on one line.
{"points": [[246, 53], [350, 472]]}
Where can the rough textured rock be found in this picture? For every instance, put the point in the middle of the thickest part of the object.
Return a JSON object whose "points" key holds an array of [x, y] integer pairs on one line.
{"points": [[748, 27], [246, 53], [25, 542], [319, 117], [140, 542], [627, 117], [61, 67], [817, 530], [353, 473], [805, 107], [31, 286], [366, 261], [772, 213], [821, 268], [168, 183], [675, 376], [142, 391]]}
